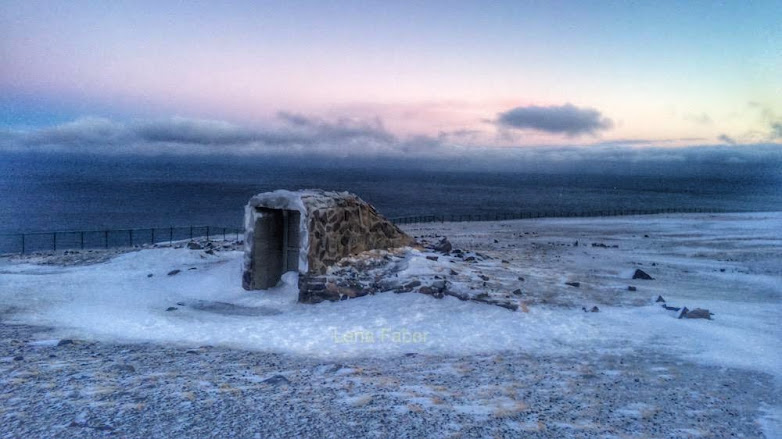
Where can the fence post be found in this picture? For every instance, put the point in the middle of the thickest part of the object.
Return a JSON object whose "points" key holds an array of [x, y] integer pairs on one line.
{"points": [[130, 234], [106, 238], [207, 233], [152, 236], [171, 235], [223, 234], [22, 243], [81, 238], [54, 241], [191, 233]]}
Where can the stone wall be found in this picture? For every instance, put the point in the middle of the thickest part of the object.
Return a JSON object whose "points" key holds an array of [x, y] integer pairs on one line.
{"points": [[349, 227]]}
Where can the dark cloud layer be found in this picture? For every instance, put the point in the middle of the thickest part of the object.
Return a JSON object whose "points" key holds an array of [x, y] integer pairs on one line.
{"points": [[564, 119], [366, 143]]}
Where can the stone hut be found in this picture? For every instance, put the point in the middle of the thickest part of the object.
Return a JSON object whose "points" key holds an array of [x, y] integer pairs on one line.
{"points": [[307, 232]]}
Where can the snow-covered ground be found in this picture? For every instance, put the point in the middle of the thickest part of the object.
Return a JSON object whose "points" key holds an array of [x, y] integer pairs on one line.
{"points": [[730, 264]]}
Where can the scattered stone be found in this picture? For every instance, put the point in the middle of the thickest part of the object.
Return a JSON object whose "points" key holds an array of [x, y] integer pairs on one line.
{"points": [[631, 288], [505, 261], [150, 275], [193, 268], [659, 299], [521, 278], [517, 292], [469, 258], [443, 246], [697, 313], [483, 277], [210, 252], [192, 245], [173, 272], [433, 258], [426, 290], [181, 303], [454, 272], [192, 351], [172, 308], [573, 284], [646, 236], [722, 270], [640, 274], [575, 244], [496, 241], [594, 309], [64, 342], [413, 284], [18, 358], [122, 368], [277, 380]]}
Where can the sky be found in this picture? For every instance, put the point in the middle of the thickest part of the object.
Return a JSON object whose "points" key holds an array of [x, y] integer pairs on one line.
{"points": [[389, 78]]}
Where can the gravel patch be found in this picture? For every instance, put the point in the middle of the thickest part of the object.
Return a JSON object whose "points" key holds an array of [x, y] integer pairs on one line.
{"points": [[89, 389]]}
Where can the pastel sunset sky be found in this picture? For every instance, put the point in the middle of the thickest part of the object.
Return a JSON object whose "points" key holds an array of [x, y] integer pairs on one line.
{"points": [[466, 74]]}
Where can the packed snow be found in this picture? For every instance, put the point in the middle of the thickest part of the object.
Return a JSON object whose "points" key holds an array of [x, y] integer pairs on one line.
{"points": [[700, 262]]}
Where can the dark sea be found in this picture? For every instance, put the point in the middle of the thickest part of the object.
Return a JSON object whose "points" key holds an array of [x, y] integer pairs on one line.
{"points": [[71, 192]]}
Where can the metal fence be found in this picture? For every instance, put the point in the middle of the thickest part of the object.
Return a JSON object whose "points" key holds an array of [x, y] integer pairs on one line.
{"points": [[114, 238], [549, 214]]}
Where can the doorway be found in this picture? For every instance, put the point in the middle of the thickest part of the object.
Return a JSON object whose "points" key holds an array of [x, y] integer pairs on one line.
{"points": [[275, 246]]}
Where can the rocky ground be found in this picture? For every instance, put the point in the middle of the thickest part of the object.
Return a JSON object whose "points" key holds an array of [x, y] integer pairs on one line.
{"points": [[64, 388]]}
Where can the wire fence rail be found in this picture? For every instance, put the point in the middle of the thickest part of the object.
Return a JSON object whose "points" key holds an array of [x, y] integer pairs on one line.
{"points": [[547, 214], [34, 242]]}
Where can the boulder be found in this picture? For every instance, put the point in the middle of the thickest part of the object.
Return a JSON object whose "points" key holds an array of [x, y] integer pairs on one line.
{"points": [[640, 274], [573, 284], [192, 245], [443, 246]]}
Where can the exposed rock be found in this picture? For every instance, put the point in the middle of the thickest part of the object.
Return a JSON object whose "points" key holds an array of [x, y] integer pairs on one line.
{"points": [[660, 299], [210, 252], [454, 272], [670, 308], [631, 288], [432, 258], [122, 368], [173, 272], [521, 278], [18, 358], [276, 380], [698, 313], [517, 292], [192, 245], [594, 309], [573, 284], [65, 341], [640, 274], [150, 275], [443, 246], [172, 308]]}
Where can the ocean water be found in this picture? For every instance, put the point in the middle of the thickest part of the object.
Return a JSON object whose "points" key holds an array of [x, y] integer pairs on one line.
{"points": [[69, 192]]}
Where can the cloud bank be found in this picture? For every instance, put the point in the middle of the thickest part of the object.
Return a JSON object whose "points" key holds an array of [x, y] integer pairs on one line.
{"points": [[564, 119], [298, 139]]}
